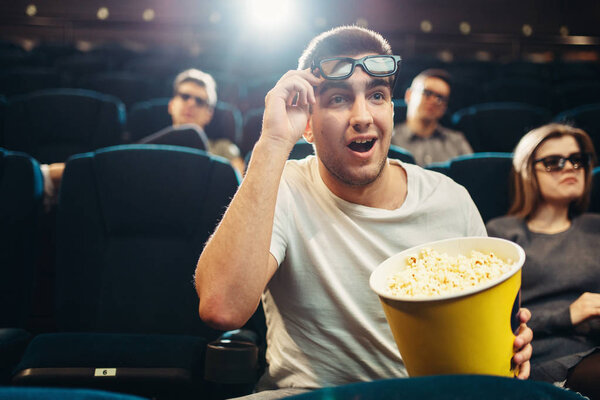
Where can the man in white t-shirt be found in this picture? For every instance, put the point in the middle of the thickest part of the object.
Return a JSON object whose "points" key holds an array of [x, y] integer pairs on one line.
{"points": [[304, 235]]}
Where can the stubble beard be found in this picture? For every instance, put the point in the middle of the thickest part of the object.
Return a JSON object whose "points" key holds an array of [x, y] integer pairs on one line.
{"points": [[336, 168]]}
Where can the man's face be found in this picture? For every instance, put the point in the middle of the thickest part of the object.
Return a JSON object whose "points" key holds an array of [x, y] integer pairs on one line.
{"points": [[189, 105], [351, 126], [427, 99]]}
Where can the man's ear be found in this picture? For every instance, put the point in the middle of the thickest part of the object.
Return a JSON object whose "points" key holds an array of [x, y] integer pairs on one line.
{"points": [[407, 95], [308, 132], [170, 107]]}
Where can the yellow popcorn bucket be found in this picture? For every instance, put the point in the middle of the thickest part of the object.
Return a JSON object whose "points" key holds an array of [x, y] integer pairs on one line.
{"points": [[470, 332]]}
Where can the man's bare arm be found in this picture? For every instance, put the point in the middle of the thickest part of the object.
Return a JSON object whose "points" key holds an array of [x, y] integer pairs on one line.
{"points": [[236, 265]]}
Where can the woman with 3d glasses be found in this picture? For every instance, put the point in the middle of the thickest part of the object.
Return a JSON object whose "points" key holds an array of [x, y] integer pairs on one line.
{"points": [[551, 182]]}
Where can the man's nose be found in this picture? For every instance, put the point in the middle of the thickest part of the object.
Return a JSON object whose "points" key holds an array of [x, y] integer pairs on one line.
{"points": [[361, 117]]}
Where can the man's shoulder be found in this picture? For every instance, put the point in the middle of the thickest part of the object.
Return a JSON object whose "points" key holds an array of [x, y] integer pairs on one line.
{"points": [[429, 182], [302, 169]]}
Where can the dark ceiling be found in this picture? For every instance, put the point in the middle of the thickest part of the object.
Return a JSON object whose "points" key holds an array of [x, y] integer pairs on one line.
{"points": [[495, 27]]}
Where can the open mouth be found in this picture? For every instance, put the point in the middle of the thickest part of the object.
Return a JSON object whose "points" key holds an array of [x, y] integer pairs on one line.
{"points": [[362, 145]]}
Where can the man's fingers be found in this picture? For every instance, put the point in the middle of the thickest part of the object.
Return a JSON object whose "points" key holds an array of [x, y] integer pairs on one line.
{"points": [[524, 370], [523, 355], [524, 337], [524, 315]]}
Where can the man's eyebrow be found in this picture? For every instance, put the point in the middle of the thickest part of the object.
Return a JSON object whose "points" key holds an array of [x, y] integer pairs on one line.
{"points": [[379, 82], [334, 85]]}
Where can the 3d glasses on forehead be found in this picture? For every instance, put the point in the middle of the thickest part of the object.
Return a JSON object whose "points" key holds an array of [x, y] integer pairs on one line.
{"points": [[342, 67]]}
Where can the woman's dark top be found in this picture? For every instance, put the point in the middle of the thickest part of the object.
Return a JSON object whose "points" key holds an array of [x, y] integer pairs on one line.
{"points": [[558, 269]]}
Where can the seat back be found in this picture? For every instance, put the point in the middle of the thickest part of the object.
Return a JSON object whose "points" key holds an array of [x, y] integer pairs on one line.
{"points": [[401, 154], [226, 123], [132, 221], [2, 111], [44, 393], [586, 117], [128, 87], [523, 90], [595, 200], [399, 111], [21, 190], [569, 95], [487, 178], [53, 124], [498, 127], [251, 129], [148, 117], [187, 135], [25, 80]]}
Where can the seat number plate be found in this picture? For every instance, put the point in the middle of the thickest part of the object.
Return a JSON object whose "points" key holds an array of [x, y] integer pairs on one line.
{"points": [[105, 372]]}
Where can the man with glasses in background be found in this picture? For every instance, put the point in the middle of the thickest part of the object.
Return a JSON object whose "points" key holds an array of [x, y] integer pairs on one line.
{"points": [[194, 100], [421, 134], [303, 236]]}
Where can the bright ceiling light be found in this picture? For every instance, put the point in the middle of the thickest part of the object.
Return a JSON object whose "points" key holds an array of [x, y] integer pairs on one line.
{"points": [[527, 30], [31, 10], [270, 14], [426, 26], [148, 15], [102, 13]]}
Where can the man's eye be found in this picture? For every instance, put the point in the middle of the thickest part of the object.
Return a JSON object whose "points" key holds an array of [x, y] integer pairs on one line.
{"points": [[378, 96], [337, 99]]}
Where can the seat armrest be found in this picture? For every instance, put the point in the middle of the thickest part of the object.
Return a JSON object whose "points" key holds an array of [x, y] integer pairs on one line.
{"points": [[233, 358]]}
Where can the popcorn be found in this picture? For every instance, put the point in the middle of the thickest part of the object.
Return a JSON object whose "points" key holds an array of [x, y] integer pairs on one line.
{"points": [[433, 274]]}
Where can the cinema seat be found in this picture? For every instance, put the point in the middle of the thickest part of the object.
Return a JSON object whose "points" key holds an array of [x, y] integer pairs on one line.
{"points": [[53, 124], [486, 176], [498, 127], [595, 200], [128, 87], [187, 135], [252, 126], [25, 393], [132, 221], [569, 95], [21, 190], [586, 117], [444, 387], [2, 111], [401, 154], [25, 80], [148, 117], [523, 90]]}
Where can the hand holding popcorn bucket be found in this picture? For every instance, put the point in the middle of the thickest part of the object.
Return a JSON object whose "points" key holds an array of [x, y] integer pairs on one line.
{"points": [[447, 325]]}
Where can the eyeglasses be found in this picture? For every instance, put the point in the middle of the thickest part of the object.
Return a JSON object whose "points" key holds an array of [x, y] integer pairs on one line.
{"points": [[439, 99], [338, 68], [557, 163], [200, 102]]}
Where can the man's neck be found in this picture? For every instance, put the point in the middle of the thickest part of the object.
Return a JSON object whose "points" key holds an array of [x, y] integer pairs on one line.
{"points": [[422, 127], [387, 192]]}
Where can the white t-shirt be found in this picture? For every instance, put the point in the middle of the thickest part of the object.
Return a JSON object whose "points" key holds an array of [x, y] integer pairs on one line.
{"points": [[325, 325]]}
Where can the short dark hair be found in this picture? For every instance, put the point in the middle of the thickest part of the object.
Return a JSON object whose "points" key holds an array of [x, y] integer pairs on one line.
{"points": [[347, 40], [433, 73]]}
